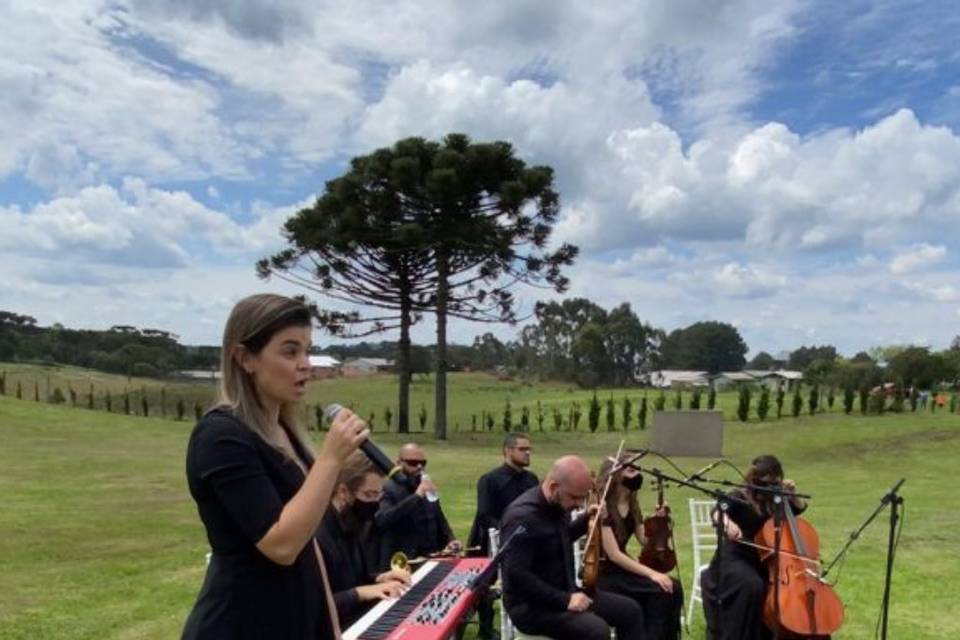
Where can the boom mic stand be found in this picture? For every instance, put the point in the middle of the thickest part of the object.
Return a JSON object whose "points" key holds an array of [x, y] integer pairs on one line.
{"points": [[895, 500], [723, 502]]}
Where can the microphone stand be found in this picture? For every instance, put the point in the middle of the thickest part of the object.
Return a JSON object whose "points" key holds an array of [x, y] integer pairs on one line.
{"points": [[483, 579], [723, 502], [895, 500]]}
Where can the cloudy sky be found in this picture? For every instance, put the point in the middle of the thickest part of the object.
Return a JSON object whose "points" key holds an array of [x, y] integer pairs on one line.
{"points": [[791, 167]]}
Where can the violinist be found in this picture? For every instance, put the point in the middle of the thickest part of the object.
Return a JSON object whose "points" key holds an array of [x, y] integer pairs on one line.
{"points": [[660, 596], [743, 584], [539, 589], [348, 539]]}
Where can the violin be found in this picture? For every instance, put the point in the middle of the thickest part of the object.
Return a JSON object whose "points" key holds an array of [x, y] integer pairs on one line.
{"points": [[658, 552], [798, 601], [591, 550]]}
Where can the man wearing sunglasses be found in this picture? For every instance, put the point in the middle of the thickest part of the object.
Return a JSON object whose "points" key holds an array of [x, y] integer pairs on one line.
{"points": [[410, 516]]}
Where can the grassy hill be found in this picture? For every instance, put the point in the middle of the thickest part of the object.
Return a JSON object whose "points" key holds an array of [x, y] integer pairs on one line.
{"points": [[99, 538]]}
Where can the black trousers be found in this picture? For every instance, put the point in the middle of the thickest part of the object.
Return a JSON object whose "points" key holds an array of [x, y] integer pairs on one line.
{"points": [[608, 610]]}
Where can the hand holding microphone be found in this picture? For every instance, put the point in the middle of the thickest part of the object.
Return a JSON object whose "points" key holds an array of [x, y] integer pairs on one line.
{"points": [[339, 415], [346, 433]]}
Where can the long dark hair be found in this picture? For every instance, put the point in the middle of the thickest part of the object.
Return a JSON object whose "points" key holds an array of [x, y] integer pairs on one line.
{"points": [[613, 497], [762, 466]]}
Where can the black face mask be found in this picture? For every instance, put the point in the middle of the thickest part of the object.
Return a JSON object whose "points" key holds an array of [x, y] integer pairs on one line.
{"points": [[634, 483], [363, 510]]}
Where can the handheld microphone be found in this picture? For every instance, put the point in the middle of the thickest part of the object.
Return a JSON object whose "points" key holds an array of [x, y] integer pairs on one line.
{"points": [[372, 451], [699, 474]]}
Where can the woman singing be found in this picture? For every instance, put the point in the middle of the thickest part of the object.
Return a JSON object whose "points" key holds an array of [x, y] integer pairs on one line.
{"points": [[743, 580], [260, 489], [659, 595]]}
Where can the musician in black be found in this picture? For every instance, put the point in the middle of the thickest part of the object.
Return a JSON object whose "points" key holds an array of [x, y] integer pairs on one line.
{"points": [[733, 607], [539, 590], [660, 595], [345, 536], [410, 516], [496, 489]]}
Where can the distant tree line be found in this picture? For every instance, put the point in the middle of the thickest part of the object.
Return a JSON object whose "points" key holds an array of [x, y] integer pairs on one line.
{"points": [[122, 349]]}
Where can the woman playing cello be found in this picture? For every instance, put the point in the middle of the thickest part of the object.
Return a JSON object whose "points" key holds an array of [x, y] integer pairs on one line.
{"points": [[660, 596], [743, 583]]}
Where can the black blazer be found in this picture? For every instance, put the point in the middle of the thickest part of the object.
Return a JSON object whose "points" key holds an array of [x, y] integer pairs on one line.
{"points": [[240, 484], [538, 572], [496, 489], [408, 522]]}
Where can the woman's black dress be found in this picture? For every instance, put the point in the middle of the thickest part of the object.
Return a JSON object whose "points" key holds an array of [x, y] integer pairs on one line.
{"points": [[661, 610], [743, 581], [240, 485]]}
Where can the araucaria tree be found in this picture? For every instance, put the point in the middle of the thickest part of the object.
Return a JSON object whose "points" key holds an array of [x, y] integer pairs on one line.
{"points": [[448, 228], [467, 222]]}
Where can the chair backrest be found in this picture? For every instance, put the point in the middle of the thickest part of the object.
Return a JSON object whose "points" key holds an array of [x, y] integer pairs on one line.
{"points": [[506, 625], [701, 529]]}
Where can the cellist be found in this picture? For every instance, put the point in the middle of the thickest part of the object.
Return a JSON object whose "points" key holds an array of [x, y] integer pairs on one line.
{"points": [[659, 595], [539, 589], [743, 583]]}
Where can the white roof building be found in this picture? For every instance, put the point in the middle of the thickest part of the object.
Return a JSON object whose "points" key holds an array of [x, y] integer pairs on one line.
{"points": [[322, 361]]}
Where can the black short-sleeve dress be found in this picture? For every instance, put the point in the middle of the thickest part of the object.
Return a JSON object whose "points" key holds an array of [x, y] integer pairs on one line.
{"points": [[661, 610], [240, 485]]}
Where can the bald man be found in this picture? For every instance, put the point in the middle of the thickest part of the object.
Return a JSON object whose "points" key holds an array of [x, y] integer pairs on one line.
{"points": [[407, 519], [539, 590]]}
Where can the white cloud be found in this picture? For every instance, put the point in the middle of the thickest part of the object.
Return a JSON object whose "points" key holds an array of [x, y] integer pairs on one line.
{"points": [[136, 226], [747, 280], [76, 104], [918, 257], [892, 181]]}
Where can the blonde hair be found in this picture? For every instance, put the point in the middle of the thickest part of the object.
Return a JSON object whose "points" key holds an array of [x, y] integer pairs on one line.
{"points": [[355, 471], [253, 321]]}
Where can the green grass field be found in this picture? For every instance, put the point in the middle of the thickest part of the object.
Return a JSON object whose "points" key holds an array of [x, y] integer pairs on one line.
{"points": [[99, 538]]}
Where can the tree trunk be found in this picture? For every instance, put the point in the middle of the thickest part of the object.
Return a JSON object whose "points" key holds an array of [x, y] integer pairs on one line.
{"points": [[440, 392], [403, 363]]}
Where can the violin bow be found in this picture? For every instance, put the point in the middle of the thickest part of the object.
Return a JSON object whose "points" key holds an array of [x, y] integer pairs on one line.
{"points": [[603, 496]]}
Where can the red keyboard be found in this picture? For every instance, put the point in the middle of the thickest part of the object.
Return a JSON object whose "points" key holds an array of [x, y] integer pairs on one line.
{"points": [[432, 608]]}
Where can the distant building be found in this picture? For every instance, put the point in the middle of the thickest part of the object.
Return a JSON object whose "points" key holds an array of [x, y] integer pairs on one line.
{"points": [[366, 366], [322, 367], [727, 379], [199, 374], [679, 379]]}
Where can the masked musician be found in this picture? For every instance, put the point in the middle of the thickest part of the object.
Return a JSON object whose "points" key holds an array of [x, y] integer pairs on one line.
{"points": [[539, 589], [349, 539], [660, 596], [743, 582]]}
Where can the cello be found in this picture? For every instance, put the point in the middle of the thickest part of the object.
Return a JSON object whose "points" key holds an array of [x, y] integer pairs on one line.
{"points": [[798, 601], [658, 552]]}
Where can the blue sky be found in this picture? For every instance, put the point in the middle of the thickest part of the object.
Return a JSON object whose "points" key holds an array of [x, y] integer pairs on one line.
{"points": [[790, 167]]}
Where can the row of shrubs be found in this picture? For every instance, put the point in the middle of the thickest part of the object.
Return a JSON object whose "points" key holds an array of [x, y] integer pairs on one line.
{"points": [[614, 414], [867, 401]]}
